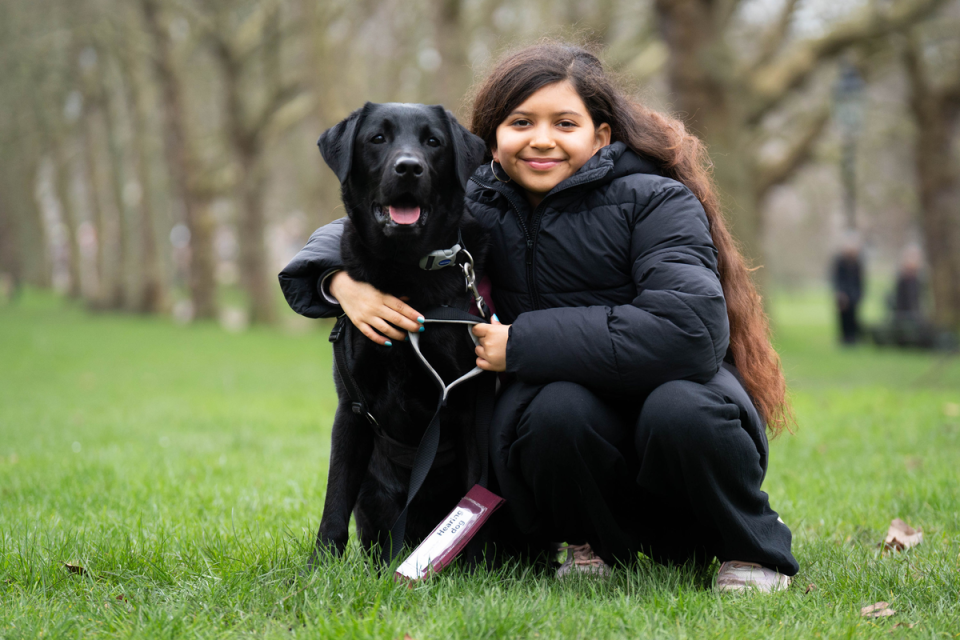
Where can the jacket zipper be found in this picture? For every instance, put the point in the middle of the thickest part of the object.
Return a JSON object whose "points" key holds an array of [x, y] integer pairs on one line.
{"points": [[531, 238]]}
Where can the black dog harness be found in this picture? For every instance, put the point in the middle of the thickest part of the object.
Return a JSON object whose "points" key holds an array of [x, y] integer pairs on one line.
{"points": [[429, 453]]}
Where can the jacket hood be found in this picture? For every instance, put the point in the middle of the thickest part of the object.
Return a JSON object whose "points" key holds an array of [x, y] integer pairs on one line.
{"points": [[609, 163]]}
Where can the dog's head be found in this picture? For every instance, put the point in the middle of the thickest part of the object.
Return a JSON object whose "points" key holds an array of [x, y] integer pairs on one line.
{"points": [[403, 169]]}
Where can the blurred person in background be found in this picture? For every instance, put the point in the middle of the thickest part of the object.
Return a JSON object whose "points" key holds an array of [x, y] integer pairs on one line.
{"points": [[848, 288], [906, 301]]}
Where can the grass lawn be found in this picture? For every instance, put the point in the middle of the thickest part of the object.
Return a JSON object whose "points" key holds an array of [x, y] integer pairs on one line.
{"points": [[184, 469]]}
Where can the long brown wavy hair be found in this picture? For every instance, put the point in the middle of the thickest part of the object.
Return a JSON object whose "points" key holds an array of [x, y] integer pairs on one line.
{"points": [[681, 156]]}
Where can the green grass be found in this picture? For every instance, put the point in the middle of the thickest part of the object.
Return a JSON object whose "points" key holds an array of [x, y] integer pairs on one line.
{"points": [[184, 468]]}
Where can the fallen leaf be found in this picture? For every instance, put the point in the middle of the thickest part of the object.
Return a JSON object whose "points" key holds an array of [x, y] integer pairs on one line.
{"points": [[407, 636], [75, 568], [908, 625], [122, 597], [901, 536], [877, 610], [810, 587]]}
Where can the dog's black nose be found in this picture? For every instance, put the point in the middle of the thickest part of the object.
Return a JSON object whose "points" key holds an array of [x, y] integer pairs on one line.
{"points": [[408, 166]]}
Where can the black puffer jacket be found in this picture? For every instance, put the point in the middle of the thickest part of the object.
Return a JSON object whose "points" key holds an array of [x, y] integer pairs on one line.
{"points": [[610, 283]]}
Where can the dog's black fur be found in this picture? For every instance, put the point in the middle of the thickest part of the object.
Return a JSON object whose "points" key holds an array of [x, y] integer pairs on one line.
{"points": [[403, 155]]}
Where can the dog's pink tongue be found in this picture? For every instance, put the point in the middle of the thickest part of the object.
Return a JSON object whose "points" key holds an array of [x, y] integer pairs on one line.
{"points": [[405, 215]]}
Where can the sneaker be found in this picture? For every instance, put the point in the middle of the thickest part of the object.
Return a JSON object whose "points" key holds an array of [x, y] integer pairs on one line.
{"points": [[582, 560], [742, 576]]}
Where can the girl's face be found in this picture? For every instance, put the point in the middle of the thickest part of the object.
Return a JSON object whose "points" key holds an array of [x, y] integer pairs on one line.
{"points": [[547, 138]]}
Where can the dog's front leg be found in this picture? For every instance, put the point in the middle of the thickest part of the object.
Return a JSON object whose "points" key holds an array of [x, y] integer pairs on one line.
{"points": [[351, 446]]}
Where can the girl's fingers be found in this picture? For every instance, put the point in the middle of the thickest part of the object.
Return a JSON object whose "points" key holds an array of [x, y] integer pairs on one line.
{"points": [[480, 330], [404, 309], [368, 331], [402, 321], [388, 330]]}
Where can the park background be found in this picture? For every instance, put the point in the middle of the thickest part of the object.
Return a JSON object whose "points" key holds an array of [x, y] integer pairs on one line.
{"points": [[164, 417]]}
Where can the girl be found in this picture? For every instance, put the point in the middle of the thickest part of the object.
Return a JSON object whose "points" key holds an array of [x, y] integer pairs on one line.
{"points": [[639, 372]]}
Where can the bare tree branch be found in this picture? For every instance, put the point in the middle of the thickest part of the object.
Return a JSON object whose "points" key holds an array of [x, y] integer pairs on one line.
{"points": [[951, 93], [772, 174], [775, 36], [916, 76], [283, 95], [725, 11], [771, 83], [292, 113]]}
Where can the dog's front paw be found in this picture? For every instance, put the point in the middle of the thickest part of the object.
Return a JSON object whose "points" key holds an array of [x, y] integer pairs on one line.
{"points": [[326, 548]]}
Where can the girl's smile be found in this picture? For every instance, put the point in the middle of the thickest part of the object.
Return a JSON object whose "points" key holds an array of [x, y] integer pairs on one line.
{"points": [[547, 138]]}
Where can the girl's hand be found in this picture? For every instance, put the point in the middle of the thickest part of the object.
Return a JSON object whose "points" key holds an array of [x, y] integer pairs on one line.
{"points": [[370, 309], [492, 352]]}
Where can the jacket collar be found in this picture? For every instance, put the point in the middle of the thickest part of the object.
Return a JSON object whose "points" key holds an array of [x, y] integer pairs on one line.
{"points": [[611, 162]]}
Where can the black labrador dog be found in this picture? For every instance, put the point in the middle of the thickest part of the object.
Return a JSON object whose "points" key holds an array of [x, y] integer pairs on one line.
{"points": [[403, 170]]}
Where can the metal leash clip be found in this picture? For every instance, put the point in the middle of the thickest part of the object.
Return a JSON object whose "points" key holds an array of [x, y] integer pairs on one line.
{"points": [[470, 278]]}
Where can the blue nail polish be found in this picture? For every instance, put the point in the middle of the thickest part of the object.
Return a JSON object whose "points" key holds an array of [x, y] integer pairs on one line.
{"points": [[388, 344], [422, 329], [420, 319], [495, 318]]}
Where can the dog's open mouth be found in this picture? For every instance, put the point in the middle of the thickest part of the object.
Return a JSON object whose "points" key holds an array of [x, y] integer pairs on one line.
{"points": [[404, 211]]}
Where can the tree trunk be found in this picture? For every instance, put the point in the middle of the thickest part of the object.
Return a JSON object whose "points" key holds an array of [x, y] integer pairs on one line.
{"points": [[119, 241], [937, 116], [253, 267], [698, 72], [247, 150], [95, 179], [182, 167], [19, 235], [63, 188], [454, 75], [152, 289]]}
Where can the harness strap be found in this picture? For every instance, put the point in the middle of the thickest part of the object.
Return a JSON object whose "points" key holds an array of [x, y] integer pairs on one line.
{"points": [[403, 455], [340, 337], [427, 451], [397, 452]]}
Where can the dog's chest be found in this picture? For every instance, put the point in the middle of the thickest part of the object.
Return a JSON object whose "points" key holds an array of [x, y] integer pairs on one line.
{"points": [[399, 387]]}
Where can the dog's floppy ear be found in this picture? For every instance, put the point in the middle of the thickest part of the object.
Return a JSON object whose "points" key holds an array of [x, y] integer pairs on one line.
{"points": [[336, 143], [468, 149]]}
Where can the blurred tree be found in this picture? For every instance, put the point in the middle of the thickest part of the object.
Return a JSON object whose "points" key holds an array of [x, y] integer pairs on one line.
{"points": [[728, 87], [932, 60], [26, 252], [95, 132], [56, 133], [121, 267], [187, 177], [235, 44], [152, 285]]}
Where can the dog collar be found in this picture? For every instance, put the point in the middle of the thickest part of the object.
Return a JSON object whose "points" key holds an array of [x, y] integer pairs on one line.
{"points": [[442, 257]]}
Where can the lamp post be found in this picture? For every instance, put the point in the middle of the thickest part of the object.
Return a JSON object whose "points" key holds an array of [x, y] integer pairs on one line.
{"points": [[848, 110]]}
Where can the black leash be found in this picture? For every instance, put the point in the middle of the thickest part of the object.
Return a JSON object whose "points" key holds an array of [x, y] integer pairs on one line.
{"points": [[426, 456]]}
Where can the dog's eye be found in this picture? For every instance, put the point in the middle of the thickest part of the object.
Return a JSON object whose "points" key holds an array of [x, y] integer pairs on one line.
{"points": [[378, 139], [433, 142]]}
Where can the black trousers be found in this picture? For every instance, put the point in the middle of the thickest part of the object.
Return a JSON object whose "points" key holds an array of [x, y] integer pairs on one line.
{"points": [[849, 326], [675, 475]]}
